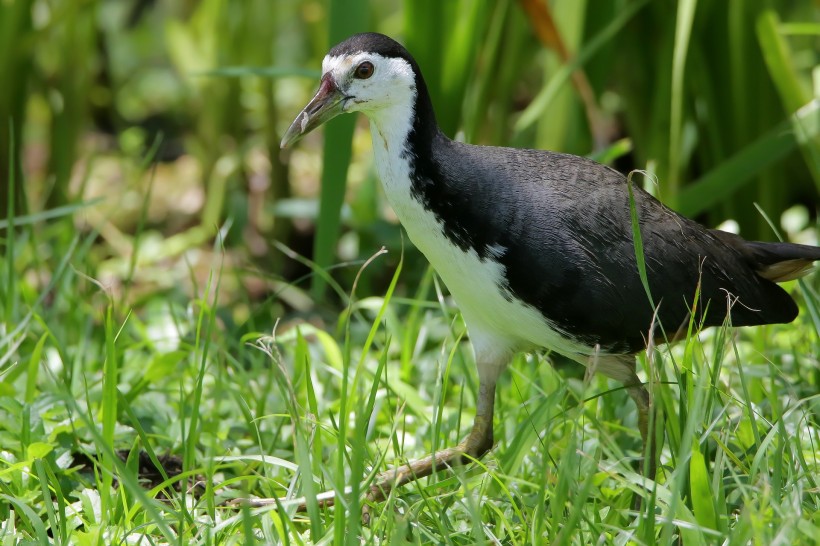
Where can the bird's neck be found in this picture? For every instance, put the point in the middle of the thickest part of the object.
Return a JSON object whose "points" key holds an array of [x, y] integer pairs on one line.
{"points": [[404, 135]]}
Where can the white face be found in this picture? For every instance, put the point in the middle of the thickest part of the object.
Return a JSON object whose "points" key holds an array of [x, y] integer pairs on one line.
{"points": [[391, 82]]}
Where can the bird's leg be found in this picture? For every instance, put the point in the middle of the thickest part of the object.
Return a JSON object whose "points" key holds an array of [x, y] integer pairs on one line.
{"points": [[643, 401], [490, 361], [622, 368], [476, 444]]}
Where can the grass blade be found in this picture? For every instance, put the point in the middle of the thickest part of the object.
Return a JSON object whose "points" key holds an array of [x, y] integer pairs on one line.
{"points": [[9, 290], [538, 107], [740, 169], [780, 62], [637, 241], [683, 31], [345, 19]]}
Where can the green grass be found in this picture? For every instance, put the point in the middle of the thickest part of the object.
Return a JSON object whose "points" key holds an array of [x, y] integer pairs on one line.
{"points": [[95, 389]]}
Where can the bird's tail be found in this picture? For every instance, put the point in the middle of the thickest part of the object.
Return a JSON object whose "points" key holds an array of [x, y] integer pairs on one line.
{"points": [[781, 262]]}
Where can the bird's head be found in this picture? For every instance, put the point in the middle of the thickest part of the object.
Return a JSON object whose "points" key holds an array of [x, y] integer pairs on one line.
{"points": [[367, 73]]}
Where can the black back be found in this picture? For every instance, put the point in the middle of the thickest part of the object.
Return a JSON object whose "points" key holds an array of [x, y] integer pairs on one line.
{"points": [[567, 230]]}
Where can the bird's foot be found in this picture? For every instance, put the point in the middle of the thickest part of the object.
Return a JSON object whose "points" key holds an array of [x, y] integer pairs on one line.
{"points": [[473, 447], [326, 498], [385, 482], [477, 443], [650, 424]]}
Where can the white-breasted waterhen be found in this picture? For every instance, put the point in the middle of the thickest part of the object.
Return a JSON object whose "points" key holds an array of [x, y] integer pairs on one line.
{"points": [[536, 247]]}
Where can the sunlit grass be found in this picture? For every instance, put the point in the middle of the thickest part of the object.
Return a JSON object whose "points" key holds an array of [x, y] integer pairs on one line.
{"points": [[113, 388]]}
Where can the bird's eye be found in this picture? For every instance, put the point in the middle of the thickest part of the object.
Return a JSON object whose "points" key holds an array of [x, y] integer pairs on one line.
{"points": [[364, 70]]}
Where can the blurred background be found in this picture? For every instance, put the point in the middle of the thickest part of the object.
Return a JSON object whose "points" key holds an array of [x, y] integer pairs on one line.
{"points": [[148, 132]]}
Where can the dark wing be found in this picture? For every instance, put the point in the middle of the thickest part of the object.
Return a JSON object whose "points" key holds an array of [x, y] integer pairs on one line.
{"points": [[564, 225]]}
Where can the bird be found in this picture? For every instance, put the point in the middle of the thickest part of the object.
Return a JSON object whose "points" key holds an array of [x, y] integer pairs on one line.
{"points": [[539, 249]]}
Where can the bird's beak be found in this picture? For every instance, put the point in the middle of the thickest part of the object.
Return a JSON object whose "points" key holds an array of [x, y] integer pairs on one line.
{"points": [[325, 105]]}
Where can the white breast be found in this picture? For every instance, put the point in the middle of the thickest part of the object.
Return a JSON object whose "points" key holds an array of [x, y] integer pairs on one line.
{"points": [[491, 315]]}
